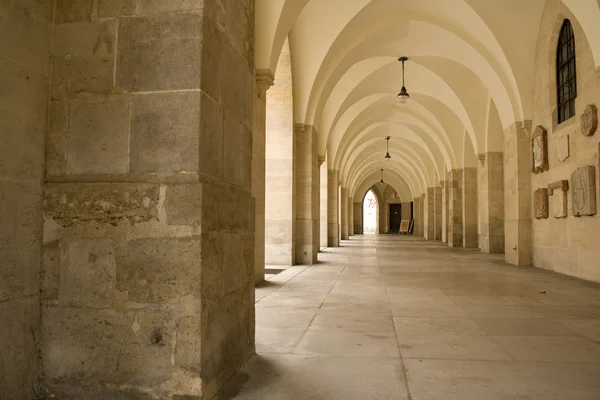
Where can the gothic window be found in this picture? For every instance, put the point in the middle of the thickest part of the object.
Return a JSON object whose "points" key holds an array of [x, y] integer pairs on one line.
{"points": [[566, 74]]}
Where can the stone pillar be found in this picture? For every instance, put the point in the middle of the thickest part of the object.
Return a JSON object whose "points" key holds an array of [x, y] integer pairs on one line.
{"points": [[469, 211], [333, 226], [344, 213], [358, 218], [148, 212], [438, 212], [406, 211], [417, 216], [306, 201], [24, 80], [517, 194], [444, 186], [455, 207], [491, 202], [430, 214], [280, 198], [264, 80], [350, 217], [323, 201]]}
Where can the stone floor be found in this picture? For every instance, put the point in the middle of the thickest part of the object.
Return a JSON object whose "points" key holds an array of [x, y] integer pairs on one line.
{"points": [[390, 317]]}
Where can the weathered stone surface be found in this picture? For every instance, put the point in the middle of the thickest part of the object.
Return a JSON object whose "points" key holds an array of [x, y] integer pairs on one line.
{"points": [[211, 138], [19, 356], [539, 150], [164, 132], [88, 274], [540, 203], [159, 270], [73, 11], [189, 343], [171, 43], [237, 150], [183, 204], [98, 135], [589, 120], [83, 58], [68, 203], [558, 191], [583, 187], [121, 347]]}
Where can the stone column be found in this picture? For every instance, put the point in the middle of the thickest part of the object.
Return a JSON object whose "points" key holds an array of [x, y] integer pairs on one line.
{"points": [[517, 194], [358, 218], [333, 226], [264, 80], [438, 212], [430, 214], [444, 186], [280, 198], [417, 216], [469, 211], [306, 200], [406, 211], [350, 217], [148, 212], [455, 207], [491, 202], [344, 214], [323, 201]]}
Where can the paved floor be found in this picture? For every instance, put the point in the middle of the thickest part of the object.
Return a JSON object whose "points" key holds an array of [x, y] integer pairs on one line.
{"points": [[390, 317]]}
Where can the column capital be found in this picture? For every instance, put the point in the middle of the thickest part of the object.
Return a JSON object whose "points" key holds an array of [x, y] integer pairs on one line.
{"points": [[481, 158], [264, 80]]}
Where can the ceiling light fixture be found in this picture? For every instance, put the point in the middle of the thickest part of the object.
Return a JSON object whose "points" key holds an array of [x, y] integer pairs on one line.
{"points": [[403, 96], [387, 152], [381, 176]]}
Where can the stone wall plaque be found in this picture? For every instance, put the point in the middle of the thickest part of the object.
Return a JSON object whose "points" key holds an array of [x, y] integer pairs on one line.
{"points": [[540, 203], [539, 150], [589, 120], [558, 191], [583, 188], [562, 147]]}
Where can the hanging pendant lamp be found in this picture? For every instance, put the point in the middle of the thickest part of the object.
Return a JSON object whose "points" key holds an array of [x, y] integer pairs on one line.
{"points": [[381, 177], [387, 152], [403, 96]]}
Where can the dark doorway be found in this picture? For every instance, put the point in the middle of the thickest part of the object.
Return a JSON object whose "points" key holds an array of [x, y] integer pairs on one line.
{"points": [[395, 217], [412, 210]]}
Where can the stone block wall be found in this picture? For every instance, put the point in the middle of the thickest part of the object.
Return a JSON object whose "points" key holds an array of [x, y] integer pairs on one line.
{"points": [[491, 202], [430, 214], [438, 206], [25, 49], [455, 208], [148, 241], [307, 184], [566, 245]]}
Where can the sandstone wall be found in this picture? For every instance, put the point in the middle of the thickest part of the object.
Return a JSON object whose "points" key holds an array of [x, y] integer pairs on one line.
{"points": [[567, 245], [26, 32]]}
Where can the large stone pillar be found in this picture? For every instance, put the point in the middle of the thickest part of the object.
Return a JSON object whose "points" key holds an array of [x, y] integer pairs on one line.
{"points": [[306, 201], [469, 211], [439, 206], [333, 226], [280, 185], [406, 211], [323, 201], [455, 207], [350, 217], [517, 194], [148, 275], [430, 214], [264, 80], [444, 185], [344, 213], [491, 202], [417, 216]]}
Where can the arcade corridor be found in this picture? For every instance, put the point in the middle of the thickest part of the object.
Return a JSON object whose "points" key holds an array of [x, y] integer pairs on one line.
{"points": [[382, 311]]}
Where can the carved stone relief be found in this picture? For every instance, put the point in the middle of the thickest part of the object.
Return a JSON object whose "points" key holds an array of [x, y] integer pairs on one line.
{"points": [[539, 150], [562, 147], [558, 192], [589, 120], [540, 203], [583, 188]]}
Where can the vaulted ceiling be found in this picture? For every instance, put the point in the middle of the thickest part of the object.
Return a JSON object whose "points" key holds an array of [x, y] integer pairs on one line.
{"points": [[469, 76]]}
